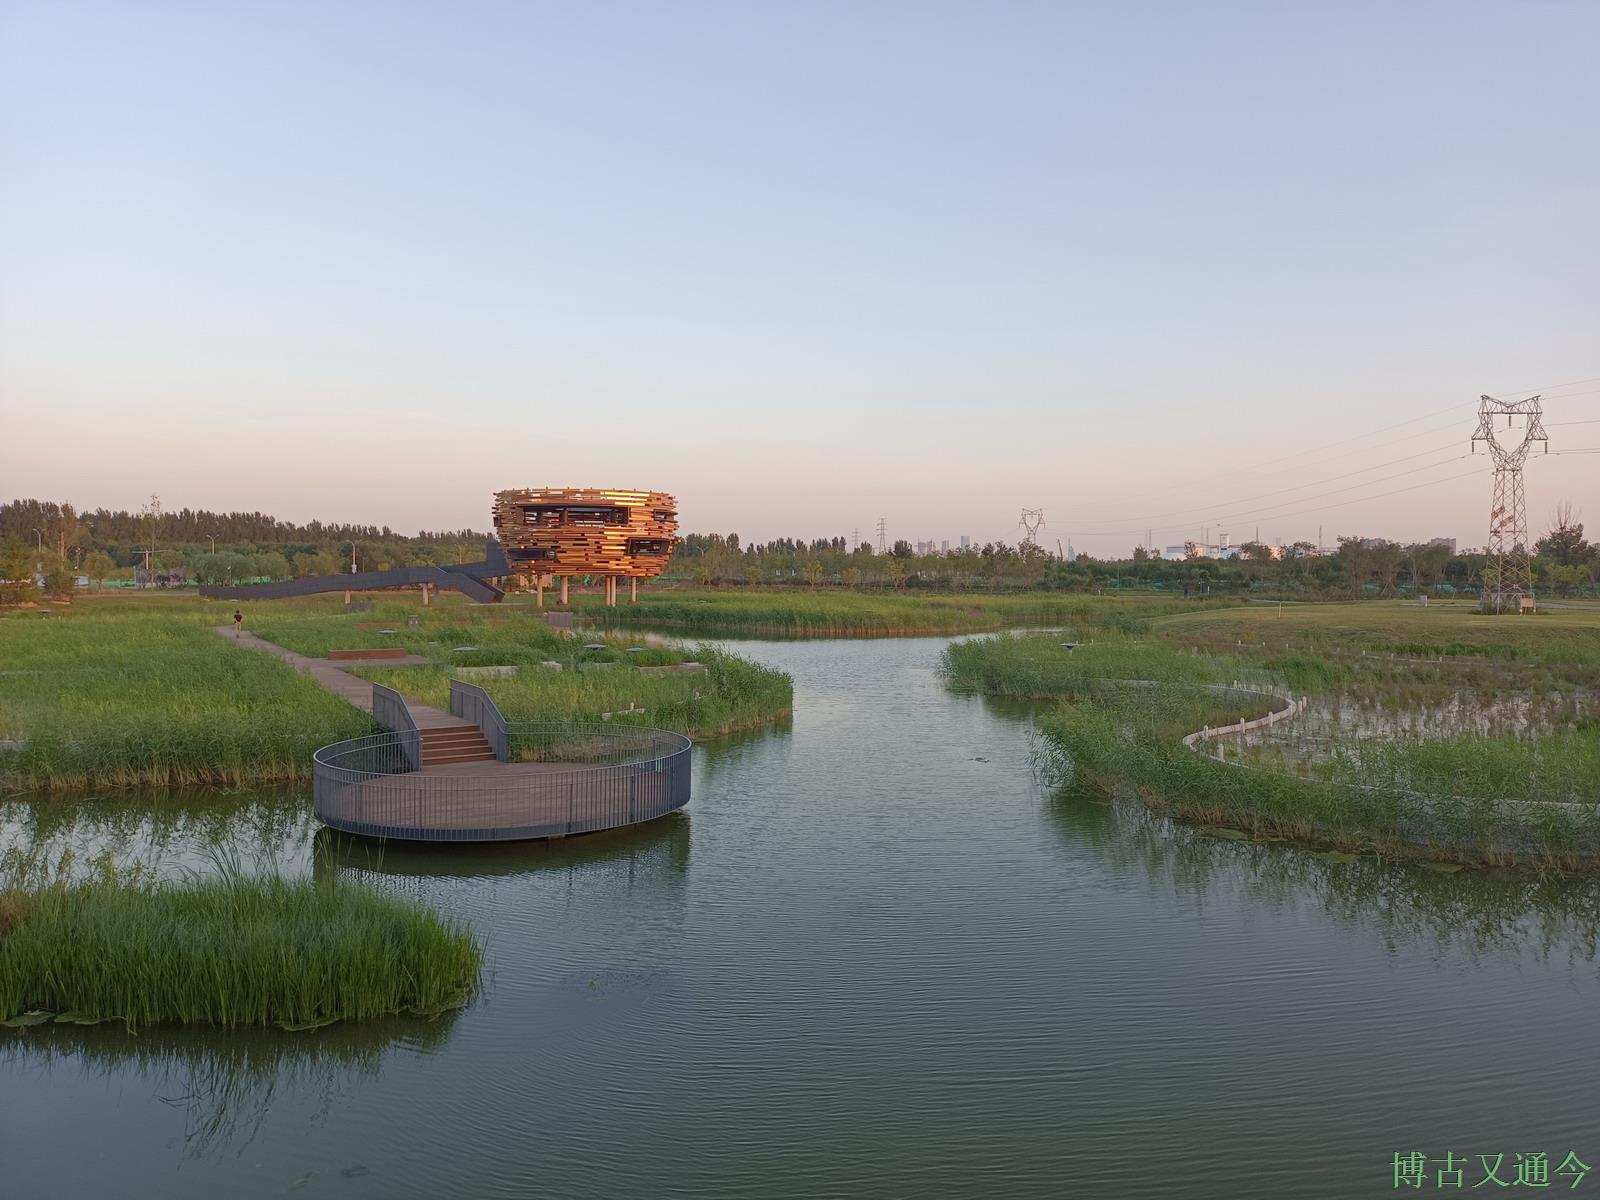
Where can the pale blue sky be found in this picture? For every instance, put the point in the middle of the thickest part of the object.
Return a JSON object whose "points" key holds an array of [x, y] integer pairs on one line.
{"points": [[804, 265]]}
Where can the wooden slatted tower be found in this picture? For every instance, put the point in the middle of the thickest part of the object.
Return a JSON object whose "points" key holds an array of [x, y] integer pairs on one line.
{"points": [[615, 533]]}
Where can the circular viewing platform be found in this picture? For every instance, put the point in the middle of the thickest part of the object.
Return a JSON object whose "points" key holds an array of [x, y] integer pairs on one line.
{"points": [[557, 780]]}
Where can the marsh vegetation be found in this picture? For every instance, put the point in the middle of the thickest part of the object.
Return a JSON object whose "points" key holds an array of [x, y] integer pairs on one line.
{"points": [[847, 613], [1440, 733], [139, 690], [228, 949]]}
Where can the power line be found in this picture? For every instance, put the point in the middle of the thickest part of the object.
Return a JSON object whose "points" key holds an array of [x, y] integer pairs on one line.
{"points": [[1232, 477], [1382, 495], [1302, 486], [1551, 387], [1269, 513], [1360, 437]]}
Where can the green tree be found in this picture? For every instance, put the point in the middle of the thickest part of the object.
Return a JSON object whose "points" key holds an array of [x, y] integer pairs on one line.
{"points": [[1563, 542], [1352, 559], [58, 578], [98, 565], [272, 565], [1386, 558]]}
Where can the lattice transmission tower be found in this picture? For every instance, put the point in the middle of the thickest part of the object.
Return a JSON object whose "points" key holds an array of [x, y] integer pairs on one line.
{"points": [[1508, 576], [1030, 521]]}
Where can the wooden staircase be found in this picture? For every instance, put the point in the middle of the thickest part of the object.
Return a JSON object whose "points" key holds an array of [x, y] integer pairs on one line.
{"points": [[454, 744]]}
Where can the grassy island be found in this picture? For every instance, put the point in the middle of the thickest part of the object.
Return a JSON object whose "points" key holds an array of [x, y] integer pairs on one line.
{"points": [[839, 612], [123, 691], [558, 675], [228, 951], [1439, 733]]}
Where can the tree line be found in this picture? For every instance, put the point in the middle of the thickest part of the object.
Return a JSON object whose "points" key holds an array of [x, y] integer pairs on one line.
{"points": [[52, 540], [1564, 563]]}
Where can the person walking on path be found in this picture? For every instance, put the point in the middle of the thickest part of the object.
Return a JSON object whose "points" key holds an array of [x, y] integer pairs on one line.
{"points": [[238, 622]]}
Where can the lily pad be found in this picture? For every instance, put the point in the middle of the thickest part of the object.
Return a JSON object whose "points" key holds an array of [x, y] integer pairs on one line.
{"points": [[77, 1018]]}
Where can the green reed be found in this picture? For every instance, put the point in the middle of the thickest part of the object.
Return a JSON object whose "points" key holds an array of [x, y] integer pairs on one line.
{"points": [[109, 696], [838, 612], [230, 950]]}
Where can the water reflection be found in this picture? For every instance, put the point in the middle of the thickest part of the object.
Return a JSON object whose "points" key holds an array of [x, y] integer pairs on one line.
{"points": [[1549, 915], [717, 757], [224, 1083], [657, 848], [169, 832]]}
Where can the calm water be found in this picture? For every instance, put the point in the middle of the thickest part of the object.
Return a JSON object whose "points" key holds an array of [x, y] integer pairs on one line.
{"points": [[873, 958]]}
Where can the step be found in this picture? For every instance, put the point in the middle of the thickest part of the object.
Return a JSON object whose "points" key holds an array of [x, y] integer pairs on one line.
{"points": [[443, 760]]}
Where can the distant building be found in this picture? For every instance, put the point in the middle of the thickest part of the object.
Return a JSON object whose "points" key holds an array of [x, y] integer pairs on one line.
{"points": [[944, 546], [1447, 543], [966, 542]]}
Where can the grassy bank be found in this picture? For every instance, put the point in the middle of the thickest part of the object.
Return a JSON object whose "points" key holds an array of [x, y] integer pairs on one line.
{"points": [[230, 951], [1498, 795], [837, 612], [625, 676], [110, 694], [137, 690]]}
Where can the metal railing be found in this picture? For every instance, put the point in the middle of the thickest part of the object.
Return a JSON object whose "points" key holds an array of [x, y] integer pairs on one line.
{"points": [[389, 710], [471, 703], [561, 779]]}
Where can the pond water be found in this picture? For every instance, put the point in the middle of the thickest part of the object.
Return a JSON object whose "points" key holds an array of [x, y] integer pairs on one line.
{"points": [[873, 957]]}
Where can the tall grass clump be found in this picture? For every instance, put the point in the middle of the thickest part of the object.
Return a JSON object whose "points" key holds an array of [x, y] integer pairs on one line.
{"points": [[838, 612], [1132, 738], [231, 951], [731, 693], [1040, 666], [109, 697]]}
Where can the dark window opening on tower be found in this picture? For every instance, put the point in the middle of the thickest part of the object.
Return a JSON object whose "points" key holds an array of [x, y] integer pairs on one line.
{"points": [[649, 546], [556, 516]]}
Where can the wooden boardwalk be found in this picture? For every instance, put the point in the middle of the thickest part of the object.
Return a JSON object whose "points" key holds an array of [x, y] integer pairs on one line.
{"points": [[461, 792]]}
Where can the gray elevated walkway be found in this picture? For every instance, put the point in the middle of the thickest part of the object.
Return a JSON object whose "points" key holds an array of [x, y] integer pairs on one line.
{"points": [[341, 683]]}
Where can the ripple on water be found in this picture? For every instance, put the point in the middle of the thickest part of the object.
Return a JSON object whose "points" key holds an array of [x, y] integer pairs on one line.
{"points": [[872, 957]]}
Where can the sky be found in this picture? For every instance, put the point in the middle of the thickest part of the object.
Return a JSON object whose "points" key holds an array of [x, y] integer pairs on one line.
{"points": [[1180, 268]]}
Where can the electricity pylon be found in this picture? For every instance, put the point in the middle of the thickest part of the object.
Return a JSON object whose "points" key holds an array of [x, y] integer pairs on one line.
{"points": [[883, 543], [1030, 521], [1508, 576]]}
